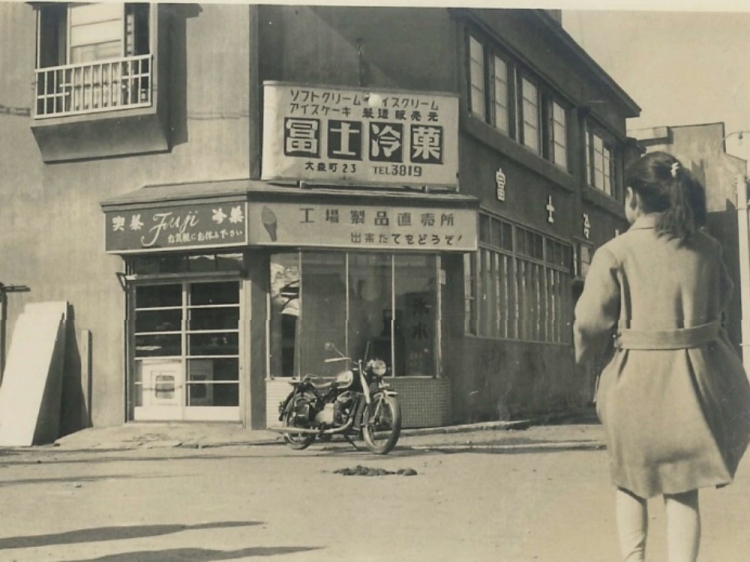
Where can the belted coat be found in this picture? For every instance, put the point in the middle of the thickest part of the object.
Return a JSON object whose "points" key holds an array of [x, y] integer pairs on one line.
{"points": [[673, 398]]}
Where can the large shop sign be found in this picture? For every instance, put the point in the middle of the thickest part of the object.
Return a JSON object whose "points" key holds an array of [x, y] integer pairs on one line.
{"points": [[178, 227], [376, 137], [365, 227]]}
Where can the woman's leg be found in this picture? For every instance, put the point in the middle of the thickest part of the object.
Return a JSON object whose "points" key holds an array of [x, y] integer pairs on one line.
{"points": [[683, 526], [632, 525]]}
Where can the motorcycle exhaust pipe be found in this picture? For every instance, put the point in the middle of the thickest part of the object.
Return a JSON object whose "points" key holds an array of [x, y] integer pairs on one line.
{"points": [[306, 431]]}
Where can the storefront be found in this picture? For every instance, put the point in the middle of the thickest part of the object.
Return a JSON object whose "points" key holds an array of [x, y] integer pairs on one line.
{"points": [[233, 288]]}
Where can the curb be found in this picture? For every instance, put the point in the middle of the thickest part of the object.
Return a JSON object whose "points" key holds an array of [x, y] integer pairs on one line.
{"points": [[193, 443]]}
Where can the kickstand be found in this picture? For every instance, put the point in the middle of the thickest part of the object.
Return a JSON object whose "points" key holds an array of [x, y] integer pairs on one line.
{"points": [[353, 444]]}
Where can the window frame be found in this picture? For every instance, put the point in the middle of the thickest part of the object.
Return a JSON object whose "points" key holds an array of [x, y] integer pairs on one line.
{"points": [[523, 101], [536, 134], [534, 313], [604, 180], [392, 362]]}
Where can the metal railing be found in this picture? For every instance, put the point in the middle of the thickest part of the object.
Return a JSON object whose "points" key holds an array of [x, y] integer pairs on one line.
{"points": [[77, 89]]}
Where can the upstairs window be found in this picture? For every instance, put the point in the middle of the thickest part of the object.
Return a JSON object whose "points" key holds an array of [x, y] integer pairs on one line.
{"points": [[530, 115], [558, 144], [92, 57], [600, 162], [521, 106], [476, 78], [500, 94]]}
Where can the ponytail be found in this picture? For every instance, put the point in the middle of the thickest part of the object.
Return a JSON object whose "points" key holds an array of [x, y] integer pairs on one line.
{"points": [[671, 190], [678, 219]]}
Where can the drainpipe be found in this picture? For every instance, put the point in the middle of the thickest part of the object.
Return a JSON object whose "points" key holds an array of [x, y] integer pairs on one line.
{"points": [[744, 250]]}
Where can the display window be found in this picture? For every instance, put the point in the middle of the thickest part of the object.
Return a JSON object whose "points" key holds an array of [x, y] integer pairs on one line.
{"points": [[367, 304], [185, 338]]}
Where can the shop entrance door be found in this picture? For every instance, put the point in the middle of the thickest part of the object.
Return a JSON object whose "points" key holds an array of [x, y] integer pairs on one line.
{"points": [[185, 356]]}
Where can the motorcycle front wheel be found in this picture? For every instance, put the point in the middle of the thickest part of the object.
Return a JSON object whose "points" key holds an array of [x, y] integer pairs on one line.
{"points": [[296, 441], [382, 424]]}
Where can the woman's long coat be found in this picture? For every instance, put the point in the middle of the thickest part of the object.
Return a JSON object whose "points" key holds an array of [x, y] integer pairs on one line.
{"points": [[674, 398]]}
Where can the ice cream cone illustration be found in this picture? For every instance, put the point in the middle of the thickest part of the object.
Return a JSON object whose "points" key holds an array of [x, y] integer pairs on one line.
{"points": [[268, 218]]}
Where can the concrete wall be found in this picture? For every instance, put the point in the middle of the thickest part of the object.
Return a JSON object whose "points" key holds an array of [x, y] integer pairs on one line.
{"points": [[52, 231], [407, 48]]}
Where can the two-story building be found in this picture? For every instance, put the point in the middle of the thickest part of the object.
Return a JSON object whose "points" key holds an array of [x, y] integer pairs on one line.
{"points": [[218, 190]]}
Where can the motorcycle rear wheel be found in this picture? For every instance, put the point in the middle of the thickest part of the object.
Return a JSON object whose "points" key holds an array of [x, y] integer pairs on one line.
{"points": [[382, 424], [296, 441]]}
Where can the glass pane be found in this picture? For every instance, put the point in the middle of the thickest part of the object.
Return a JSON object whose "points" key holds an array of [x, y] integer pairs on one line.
{"points": [[469, 295], [507, 236], [561, 156], [208, 394], [153, 296], [496, 234], [97, 52], [416, 313], [484, 228], [223, 292], [173, 264], [202, 263], [158, 320], [323, 310], [145, 265], [202, 376], [89, 13], [476, 76], [229, 262], [214, 318], [477, 101], [283, 314], [160, 345], [371, 310], [222, 343]]}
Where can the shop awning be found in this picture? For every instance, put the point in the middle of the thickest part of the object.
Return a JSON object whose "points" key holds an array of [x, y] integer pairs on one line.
{"points": [[236, 213]]}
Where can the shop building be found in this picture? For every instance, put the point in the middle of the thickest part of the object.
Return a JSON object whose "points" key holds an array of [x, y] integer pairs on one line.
{"points": [[219, 190]]}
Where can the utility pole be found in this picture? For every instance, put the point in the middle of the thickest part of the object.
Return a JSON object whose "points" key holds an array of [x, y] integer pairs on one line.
{"points": [[744, 250], [4, 290]]}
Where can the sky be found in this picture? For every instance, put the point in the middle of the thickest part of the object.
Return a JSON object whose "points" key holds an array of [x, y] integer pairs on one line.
{"points": [[681, 68]]}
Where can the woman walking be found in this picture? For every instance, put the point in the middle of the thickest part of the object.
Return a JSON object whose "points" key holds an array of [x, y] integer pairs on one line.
{"points": [[674, 399]]}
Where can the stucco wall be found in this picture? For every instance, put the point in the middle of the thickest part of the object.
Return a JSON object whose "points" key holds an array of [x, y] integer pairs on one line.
{"points": [[53, 237]]}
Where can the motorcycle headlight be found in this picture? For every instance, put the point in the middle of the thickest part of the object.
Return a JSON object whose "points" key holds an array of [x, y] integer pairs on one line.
{"points": [[378, 367]]}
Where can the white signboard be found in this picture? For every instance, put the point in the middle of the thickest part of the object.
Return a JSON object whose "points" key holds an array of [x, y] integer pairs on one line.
{"points": [[365, 227], [335, 135]]}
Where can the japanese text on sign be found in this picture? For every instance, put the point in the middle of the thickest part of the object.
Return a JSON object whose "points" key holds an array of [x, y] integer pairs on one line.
{"points": [[177, 227], [330, 134], [349, 225]]}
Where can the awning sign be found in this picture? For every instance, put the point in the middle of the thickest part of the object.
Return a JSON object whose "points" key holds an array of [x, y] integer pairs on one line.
{"points": [[176, 227], [358, 136], [365, 227]]}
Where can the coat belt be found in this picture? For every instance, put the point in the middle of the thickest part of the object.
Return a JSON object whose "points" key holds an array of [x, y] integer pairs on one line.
{"points": [[678, 338]]}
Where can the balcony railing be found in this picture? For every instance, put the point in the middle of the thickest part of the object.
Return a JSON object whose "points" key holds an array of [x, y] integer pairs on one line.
{"points": [[77, 89]]}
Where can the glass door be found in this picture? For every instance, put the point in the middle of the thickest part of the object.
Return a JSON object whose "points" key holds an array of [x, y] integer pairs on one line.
{"points": [[186, 351]]}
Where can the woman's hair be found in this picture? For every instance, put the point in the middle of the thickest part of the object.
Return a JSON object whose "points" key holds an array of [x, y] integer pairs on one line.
{"points": [[668, 188]]}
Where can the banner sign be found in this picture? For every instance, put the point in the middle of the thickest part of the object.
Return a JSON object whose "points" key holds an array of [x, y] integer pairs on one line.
{"points": [[176, 228], [365, 227], [359, 136]]}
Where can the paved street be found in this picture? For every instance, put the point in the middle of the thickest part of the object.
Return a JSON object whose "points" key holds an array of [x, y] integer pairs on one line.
{"points": [[540, 494]]}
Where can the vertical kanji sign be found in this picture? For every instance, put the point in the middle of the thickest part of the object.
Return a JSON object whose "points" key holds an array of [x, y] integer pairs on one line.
{"points": [[359, 136]]}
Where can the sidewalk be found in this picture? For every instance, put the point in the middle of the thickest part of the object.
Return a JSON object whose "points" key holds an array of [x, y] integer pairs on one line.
{"points": [[153, 435]]}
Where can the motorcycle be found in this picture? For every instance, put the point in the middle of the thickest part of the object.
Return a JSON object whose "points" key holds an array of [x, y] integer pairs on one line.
{"points": [[356, 403]]}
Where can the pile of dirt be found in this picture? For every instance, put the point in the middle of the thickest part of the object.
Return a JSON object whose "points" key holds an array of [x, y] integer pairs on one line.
{"points": [[360, 470]]}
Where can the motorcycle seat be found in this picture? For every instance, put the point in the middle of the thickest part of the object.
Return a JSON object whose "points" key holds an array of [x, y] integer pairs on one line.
{"points": [[343, 379]]}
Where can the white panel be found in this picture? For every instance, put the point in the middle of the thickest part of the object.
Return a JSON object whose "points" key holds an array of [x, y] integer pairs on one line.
{"points": [[30, 395]]}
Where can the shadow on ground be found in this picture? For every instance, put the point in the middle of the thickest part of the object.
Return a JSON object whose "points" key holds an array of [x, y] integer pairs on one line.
{"points": [[197, 554], [114, 534]]}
